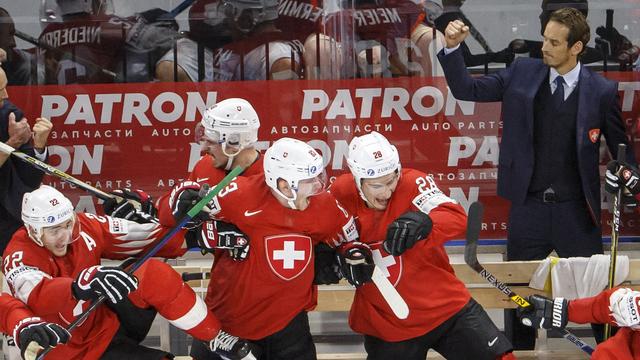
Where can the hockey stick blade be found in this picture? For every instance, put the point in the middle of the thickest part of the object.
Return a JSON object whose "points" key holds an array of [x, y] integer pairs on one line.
{"points": [[390, 294], [474, 225], [154, 250]]}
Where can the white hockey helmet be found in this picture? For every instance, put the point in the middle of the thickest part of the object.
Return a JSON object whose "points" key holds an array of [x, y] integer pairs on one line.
{"points": [[231, 122], [249, 13], [298, 164], [44, 207], [372, 156]]}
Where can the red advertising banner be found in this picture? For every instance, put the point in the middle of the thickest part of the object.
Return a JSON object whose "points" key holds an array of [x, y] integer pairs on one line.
{"points": [[141, 135]]}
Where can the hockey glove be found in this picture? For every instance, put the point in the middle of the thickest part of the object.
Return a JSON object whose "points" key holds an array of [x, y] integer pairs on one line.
{"points": [[356, 262], [327, 269], [625, 306], [622, 174], [217, 234], [97, 280], [133, 205], [405, 231], [33, 335], [544, 313], [182, 198], [234, 348]]}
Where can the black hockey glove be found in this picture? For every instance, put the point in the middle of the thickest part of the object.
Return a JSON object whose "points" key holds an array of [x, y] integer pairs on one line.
{"points": [[623, 174], [356, 262], [544, 313], [133, 205], [33, 335], [405, 231], [183, 197], [234, 348], [216, 234], [98, 280], [327, 268]]}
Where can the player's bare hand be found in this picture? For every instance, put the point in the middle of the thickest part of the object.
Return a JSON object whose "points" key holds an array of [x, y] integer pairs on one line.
{"points": [[3, 56], [41, 130], [19, 131], [455, 33]]}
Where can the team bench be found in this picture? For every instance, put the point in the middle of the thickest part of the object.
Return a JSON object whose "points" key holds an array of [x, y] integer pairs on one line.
{"points": [[516, 274]]}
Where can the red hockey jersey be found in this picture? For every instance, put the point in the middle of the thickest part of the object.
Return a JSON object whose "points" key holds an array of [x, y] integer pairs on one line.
{"points": [[624, 345], [43, 281], [204, 173], [12, 311], [422, 275], [259, 296]]}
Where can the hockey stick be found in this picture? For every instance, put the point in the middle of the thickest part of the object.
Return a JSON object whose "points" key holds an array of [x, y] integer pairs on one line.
{"points": [[390, 294], [154, 250], [615, 233], [30, 39], [474, 223], [7, 149]]}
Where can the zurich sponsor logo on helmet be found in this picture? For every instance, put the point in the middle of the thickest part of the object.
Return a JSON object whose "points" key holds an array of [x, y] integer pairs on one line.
{"points": [[370, 172], [51, 219]]}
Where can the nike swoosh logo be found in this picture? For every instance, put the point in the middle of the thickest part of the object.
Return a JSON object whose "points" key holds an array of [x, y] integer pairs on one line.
{"points": [[492, 341], [202, 179], [251, 213]]}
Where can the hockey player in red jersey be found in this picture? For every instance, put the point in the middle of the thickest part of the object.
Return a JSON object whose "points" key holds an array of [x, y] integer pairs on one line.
{"points": [[406, 219], [227, 133], [618, 307], [52, 264], [29, 332], [284, 212]]}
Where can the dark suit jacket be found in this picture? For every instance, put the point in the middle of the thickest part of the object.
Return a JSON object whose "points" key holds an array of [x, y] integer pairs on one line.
{"points": [[516, 86], [16, 178]]}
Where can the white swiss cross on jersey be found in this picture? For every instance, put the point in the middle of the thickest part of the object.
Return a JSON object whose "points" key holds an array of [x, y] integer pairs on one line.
{"points": [[390, 265], [288, 255]]}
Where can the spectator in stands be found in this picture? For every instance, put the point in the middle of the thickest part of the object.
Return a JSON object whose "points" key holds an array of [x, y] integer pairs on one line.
{"points": [[17, 64], [395, 40], [17, 177], [549, 154], [107, 48], [258, 51]]}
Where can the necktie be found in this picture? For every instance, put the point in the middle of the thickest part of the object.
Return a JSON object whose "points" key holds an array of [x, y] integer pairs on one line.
{"points": [[558, 95]]}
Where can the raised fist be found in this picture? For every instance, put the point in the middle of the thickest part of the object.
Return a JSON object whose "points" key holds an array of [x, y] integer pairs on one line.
{"points": [[455, 33], [41, 130], [405, 231]]}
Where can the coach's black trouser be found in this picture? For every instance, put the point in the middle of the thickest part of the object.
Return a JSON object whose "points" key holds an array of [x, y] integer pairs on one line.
{"points": [[535, 229]]}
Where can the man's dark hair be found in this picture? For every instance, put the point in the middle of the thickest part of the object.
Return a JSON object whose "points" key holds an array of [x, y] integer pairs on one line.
{"points": [[578, 27]]}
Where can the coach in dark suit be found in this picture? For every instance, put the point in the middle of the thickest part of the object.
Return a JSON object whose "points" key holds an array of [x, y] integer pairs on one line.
{"points": [[554, 113], [17, 177]]}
